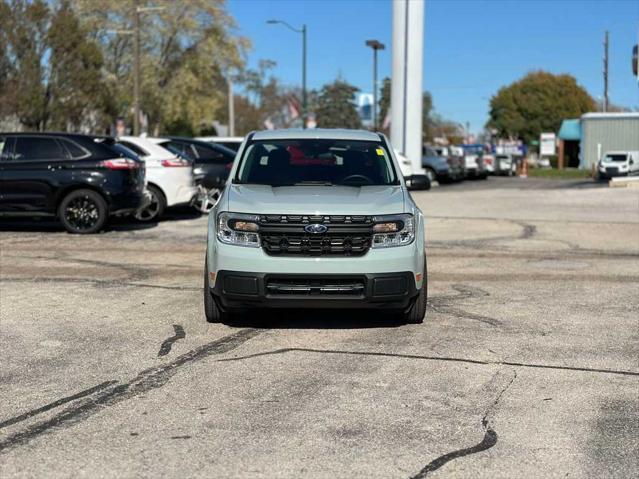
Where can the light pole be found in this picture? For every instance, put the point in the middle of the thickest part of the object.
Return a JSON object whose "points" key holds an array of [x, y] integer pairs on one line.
{"points": [[303, 32], [375, 45]]}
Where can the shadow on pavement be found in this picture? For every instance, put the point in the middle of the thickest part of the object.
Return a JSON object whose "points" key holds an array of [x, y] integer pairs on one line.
{"points": [[314, 319], [37, 225], [115, 224], [51, 225]]}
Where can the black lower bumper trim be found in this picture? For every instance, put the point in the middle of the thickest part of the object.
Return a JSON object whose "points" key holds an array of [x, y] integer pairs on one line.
{"points": [[240, 290]]}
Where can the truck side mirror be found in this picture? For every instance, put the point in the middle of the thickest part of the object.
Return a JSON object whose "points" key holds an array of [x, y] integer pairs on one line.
{"points": [[419, 182]]}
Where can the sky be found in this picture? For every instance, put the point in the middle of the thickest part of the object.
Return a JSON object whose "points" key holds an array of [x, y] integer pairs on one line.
{"points": [[471, 47]]}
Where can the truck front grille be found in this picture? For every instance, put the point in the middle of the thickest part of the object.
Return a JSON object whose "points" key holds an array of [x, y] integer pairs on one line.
{"points": [[285, 235]]}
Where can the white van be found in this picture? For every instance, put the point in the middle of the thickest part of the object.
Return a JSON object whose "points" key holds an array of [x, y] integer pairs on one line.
{"points": [[618, 163]]}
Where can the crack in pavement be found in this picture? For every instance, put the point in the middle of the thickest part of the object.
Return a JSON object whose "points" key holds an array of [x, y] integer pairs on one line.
{"points": [[527, 220], [98, 283], [145, 381], [54, 404], [135, 272], [488, 441], [434, 358], [528, 231], [166, 346], [461, 314], [440, 304], [464, 293]]}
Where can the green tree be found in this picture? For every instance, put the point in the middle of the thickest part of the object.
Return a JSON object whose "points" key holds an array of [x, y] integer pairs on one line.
{"points": [[537, 103], [336, 106], [427, 120], [187, 50], [24, 29], [384, 101], [75, 78], [264, 100], [6, 99], [247, 116], [442, 128]]}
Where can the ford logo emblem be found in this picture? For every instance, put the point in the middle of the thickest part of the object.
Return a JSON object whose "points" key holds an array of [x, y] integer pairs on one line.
{"points": [[315, 229]]}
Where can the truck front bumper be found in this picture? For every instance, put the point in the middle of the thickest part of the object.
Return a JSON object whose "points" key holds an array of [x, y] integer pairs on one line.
{"points": [[236, 290]]}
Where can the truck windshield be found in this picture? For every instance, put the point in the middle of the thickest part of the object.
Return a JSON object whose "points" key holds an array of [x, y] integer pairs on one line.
{"points": [[316, 162], [620, 158]]}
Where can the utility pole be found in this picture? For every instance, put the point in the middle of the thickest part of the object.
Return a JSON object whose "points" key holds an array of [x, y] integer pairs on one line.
{"points": [[136, 70], [231, 107], [304, 94], [136, 60], [605, 73], [375, 45]]}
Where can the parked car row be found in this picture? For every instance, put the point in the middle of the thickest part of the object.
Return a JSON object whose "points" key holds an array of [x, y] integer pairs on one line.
{"points": [[83, 179], [455, 163]]}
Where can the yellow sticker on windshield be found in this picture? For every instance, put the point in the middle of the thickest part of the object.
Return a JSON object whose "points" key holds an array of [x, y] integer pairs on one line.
{"points": [[380, 152]]}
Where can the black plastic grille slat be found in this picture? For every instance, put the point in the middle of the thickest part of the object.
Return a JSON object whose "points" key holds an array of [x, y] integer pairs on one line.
{"points": [[284, 235], [319, 286]]}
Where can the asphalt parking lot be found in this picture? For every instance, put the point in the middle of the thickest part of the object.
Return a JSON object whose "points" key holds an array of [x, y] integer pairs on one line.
{"points": [[527, 364]]}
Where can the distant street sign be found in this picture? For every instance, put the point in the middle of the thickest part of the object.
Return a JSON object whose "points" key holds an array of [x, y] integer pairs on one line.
{"points": [[547, 144]]}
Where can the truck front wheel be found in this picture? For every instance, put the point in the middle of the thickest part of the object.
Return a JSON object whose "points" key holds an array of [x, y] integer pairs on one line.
{"points": [[212, 311], [417, 312]]}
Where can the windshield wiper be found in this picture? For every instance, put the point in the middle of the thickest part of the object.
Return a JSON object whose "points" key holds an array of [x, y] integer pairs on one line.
{"points": [[301, 183], [313, 183]]}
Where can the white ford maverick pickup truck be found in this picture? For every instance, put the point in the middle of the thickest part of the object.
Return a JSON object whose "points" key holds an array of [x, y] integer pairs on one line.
{"points": [[315, 219]]}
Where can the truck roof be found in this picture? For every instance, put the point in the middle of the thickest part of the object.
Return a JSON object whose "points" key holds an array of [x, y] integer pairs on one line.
{"points": [[316, 134]]}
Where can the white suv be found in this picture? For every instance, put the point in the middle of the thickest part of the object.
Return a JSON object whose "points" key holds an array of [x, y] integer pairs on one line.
{"points": [[170, 180], [315, 219]]}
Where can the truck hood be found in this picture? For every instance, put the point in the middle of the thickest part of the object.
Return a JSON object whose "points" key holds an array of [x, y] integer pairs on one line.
{"points": [[304, 200]]}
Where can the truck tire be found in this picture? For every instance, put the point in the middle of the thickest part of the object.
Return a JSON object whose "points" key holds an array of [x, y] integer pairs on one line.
{"points": [[83, 212], [212, 311], [417, 312]]}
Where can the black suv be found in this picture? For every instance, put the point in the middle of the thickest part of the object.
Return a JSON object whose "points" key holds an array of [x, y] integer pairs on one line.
{"points": [[78, 178], [211, 163]]}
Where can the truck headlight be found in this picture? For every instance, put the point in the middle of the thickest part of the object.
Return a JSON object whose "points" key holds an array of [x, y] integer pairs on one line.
{"points": [[393, 230], [238, 229]]}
